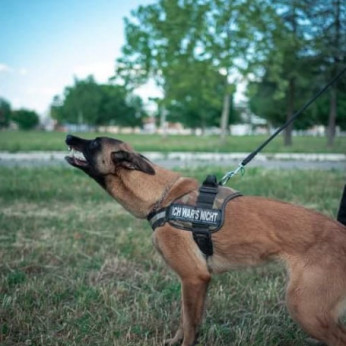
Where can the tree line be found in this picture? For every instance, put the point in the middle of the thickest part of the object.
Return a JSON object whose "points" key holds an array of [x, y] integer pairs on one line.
{"points": [[25, 119], [87, 102], [198, 51]]}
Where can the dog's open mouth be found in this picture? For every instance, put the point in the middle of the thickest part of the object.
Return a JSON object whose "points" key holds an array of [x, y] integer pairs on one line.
{"points": [[76, 157]]}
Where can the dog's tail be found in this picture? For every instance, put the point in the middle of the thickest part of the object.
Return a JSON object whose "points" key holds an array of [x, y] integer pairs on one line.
{"points": [[342, 209]]}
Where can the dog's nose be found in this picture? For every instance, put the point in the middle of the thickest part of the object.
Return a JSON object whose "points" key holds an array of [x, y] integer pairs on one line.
{"points": [[70, 139]]}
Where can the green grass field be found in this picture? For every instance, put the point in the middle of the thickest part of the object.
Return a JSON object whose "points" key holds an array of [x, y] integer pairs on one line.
{"points": [[35, 140], [76, 269]]}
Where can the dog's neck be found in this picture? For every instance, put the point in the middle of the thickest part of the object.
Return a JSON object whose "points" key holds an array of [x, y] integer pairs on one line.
{"points": [[140, 193]]}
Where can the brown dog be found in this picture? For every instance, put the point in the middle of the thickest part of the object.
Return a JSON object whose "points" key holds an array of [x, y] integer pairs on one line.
{"points": [[255, 230]]}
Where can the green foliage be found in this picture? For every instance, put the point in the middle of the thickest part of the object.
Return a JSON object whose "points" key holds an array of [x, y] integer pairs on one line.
{"points": [[197, 51], [320, 109], [5, 113], [328, 20], [191, 48], [308, 48], [87, 102], [286, 72], [265, 101], [25, 119], [194, 99]]}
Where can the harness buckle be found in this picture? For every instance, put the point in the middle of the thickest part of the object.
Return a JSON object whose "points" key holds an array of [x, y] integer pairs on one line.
{"points": [[203, 239]]}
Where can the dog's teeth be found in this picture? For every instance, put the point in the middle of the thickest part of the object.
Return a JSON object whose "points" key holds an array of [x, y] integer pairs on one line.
{"points": [[79, 155], [76, 154], [69, 148]]}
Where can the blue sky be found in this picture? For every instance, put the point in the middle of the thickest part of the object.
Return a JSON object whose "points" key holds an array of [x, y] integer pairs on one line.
{"points": [[45, 43]]}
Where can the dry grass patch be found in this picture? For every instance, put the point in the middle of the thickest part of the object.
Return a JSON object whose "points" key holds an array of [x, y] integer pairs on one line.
{"points": [[76, 269]]}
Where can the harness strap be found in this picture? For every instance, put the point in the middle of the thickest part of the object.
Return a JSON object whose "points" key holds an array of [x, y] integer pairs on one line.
{"points": [[205, 199], [157, 218]]}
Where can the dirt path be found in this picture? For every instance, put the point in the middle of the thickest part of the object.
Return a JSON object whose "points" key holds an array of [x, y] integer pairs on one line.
{"points": [[189, 159]]}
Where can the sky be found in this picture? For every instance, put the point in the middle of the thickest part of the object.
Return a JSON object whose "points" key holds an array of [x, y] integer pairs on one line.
{"points": [[45, 44]]}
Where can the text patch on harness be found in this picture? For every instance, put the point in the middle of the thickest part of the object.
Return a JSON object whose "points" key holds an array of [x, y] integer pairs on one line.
{"points": [[185, 213], [199, 211]]}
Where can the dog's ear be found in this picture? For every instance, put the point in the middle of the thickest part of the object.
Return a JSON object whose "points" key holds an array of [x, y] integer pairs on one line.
{"points": [[131, 160]]}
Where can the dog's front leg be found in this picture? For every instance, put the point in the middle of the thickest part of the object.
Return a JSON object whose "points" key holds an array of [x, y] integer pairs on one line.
{"points": [[194, 291], [183, 256]]}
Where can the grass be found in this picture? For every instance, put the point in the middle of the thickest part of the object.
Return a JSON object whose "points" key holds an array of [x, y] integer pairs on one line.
{"points": [[37, 140], [76, 269]]}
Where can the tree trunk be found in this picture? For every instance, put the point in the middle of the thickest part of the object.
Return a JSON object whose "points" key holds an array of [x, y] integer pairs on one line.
{"points": [[333, 90], [291, 84], [332, 116], [290, 111], [225, 117], [163, 122]]}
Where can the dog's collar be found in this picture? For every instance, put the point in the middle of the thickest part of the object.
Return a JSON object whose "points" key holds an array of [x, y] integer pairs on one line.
{"points": [[202, 215]]}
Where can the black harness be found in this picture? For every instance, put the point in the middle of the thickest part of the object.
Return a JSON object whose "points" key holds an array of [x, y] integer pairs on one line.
{"points": [[202, 219]]}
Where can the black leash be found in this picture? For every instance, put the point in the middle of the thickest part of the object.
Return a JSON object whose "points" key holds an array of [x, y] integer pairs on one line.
{"points": [[241, 166]]}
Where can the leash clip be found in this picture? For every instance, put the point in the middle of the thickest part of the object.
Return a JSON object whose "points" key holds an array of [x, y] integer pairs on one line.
{"points": [[230, 174]]}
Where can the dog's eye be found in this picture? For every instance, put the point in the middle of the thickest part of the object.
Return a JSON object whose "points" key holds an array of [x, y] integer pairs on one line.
{"points": [[94, 144]]}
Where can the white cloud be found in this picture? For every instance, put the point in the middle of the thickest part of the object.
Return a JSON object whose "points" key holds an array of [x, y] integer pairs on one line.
{"points": [[23, 71], [5, 68]]}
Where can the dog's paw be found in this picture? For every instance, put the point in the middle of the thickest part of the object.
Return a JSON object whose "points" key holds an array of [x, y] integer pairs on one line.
{"points": [[178, 338], [172, 341]]}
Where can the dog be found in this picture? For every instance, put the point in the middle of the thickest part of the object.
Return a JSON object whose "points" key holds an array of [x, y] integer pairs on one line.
{"points": [[255, 230]]}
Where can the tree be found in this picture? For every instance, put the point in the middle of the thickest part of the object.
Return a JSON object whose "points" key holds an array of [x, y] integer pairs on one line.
{"points": [[159, 41], [305, 45], [5, 113], [119, 107], [87, 102], [135, 112], [170, 40], [288, 64], [322, 108], [193, 94], [81, 102], [262, 101], [329, 36], [236, 41], [25, 119]]}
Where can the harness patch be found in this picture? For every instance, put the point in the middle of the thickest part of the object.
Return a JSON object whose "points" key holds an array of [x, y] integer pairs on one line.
{"points": [[186, 213], [200, 212]]}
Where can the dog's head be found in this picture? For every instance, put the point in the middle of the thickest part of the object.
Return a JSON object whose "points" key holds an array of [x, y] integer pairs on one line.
{"points": [[104, 156]]}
